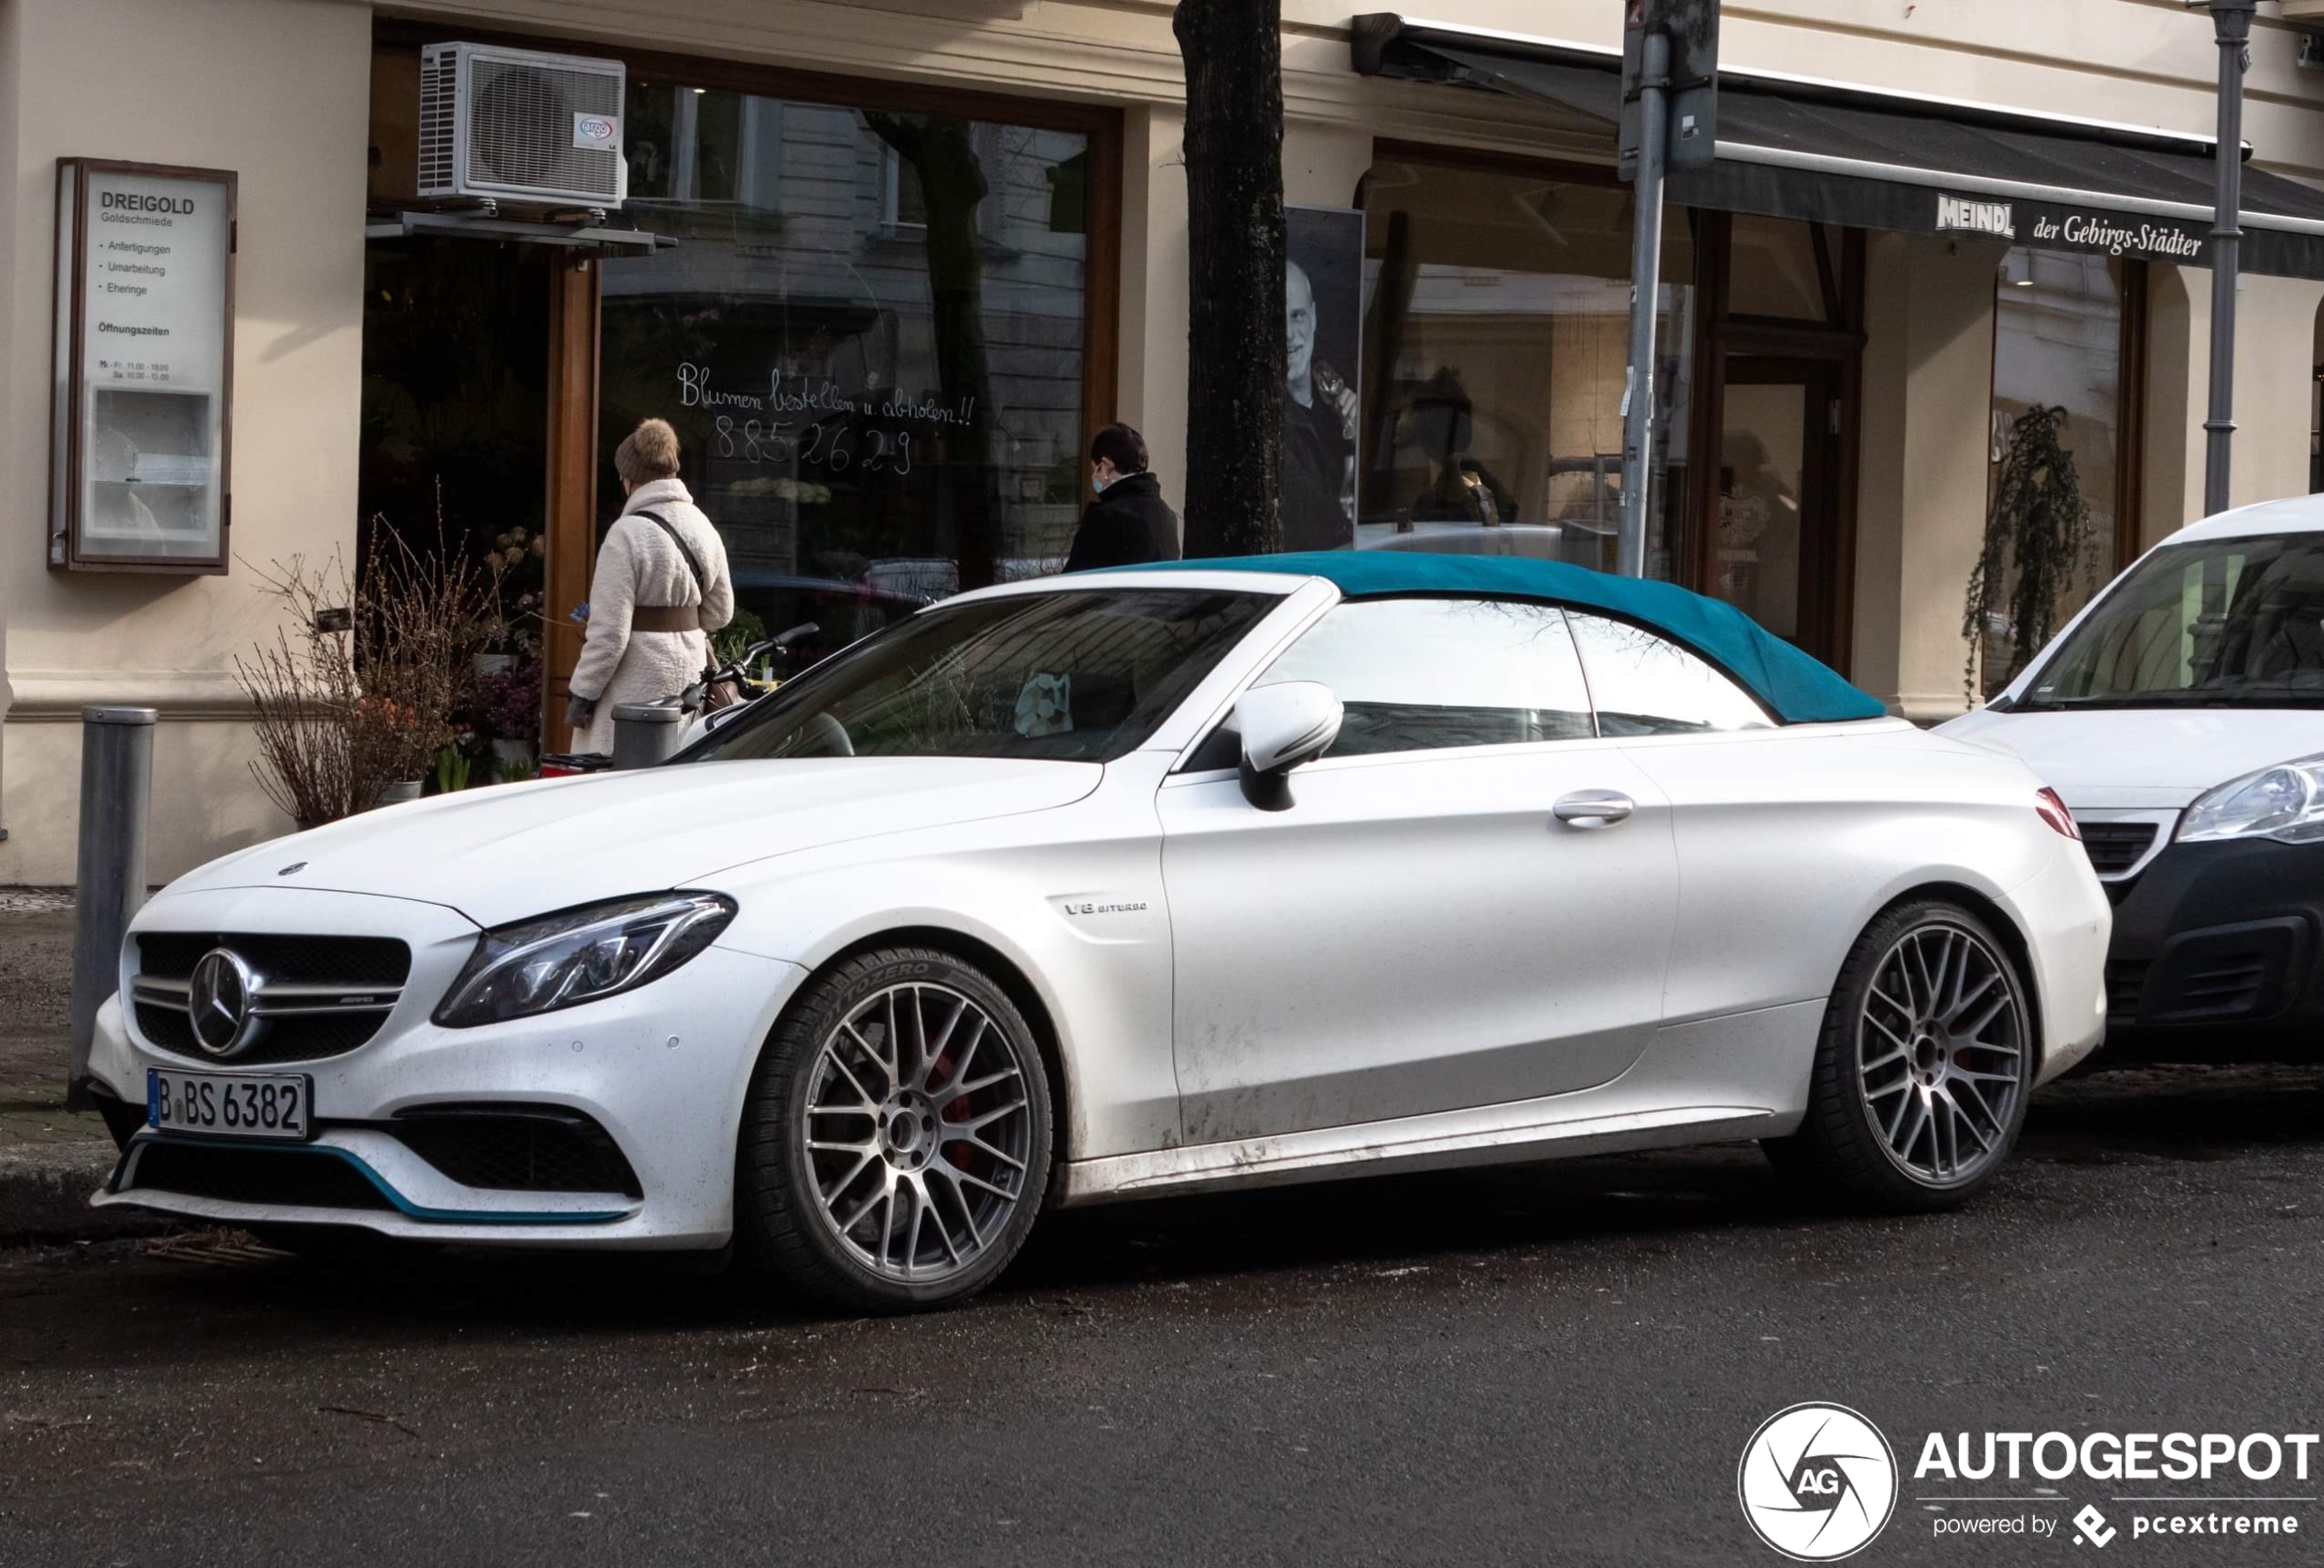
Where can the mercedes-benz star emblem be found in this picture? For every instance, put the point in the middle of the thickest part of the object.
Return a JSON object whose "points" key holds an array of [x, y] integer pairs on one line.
{"points": [[218, 1002]]}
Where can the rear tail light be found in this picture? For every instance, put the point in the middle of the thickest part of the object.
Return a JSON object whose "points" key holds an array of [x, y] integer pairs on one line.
{"points": [[2053, 811]]}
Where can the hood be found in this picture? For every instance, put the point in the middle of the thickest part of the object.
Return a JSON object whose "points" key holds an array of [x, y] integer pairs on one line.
{"points": [[510, 851], [2152, 758]]}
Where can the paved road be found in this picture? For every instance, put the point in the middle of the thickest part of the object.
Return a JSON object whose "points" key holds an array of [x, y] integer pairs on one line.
{"points": [[1554, 1365]]}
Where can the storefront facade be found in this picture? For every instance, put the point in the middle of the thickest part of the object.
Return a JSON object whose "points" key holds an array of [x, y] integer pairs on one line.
{"points": [[910, 254]]}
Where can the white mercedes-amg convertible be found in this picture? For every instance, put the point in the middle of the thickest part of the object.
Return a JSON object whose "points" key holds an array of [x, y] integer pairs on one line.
{"points": [[1121, 884]]}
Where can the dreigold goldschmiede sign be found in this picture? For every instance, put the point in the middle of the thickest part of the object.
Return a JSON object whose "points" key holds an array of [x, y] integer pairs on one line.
{"points": [[143, 371]]}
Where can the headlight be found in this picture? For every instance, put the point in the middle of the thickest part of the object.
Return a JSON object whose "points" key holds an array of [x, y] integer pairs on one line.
{"points": [[2284, 802], [581, 955]]}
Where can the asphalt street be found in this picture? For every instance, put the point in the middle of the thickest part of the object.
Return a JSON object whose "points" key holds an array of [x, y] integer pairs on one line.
{"points": [[1555, 1364]]}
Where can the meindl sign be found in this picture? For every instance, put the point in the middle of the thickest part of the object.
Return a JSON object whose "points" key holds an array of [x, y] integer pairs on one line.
{"points": [[2055, 228]]}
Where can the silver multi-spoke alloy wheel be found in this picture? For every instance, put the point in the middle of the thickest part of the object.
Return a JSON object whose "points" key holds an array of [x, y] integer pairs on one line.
{"points": [[919, 1130], [1940, 1044]]}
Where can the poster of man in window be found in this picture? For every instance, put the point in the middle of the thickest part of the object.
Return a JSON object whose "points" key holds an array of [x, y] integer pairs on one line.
{"points": [[1323, 325]]}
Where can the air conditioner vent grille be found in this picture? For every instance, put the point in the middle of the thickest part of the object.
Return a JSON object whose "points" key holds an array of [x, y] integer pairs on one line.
{"points": [[521, 128], [439, 111]]}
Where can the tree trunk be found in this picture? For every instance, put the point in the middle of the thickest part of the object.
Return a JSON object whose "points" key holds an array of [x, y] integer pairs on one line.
{"points": [[1234, 55]]}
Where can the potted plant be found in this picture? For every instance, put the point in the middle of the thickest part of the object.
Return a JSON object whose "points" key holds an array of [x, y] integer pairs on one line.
{"points": [[2037, 550], [505, 707], [352, 699]]}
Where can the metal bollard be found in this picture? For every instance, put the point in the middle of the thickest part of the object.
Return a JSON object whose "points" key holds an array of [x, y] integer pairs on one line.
{"points": [[645, 733], [109, 877]]}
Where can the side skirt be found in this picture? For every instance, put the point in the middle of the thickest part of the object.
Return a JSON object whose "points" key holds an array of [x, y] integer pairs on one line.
{"points": [[1714, 1080]]}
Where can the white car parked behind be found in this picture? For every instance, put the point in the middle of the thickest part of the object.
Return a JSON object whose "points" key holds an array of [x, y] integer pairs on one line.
{"points": [[2181, 717], [1120, 884]]}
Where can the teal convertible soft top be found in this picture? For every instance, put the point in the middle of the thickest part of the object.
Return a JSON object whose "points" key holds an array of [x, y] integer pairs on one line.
{"points": [[1800, 690]]}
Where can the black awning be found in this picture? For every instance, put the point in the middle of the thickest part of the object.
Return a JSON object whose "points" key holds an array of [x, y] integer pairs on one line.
{"points": [[1838, 155]]}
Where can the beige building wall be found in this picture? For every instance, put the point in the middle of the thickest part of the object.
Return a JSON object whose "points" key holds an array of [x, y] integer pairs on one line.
{"points": [[1152, 396], [275, 90], [1928, 391], [2276, 326]]}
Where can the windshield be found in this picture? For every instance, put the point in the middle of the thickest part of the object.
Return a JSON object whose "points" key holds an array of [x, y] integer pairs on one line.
{"points": [[1075, 676], [2228, 623]]}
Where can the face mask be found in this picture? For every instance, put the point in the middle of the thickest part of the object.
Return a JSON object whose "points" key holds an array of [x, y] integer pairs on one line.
{"points": [[1097, 484]]}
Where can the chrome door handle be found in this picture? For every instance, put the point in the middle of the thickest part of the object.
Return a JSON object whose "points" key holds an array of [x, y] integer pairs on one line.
{"points": [[1594, 809]]}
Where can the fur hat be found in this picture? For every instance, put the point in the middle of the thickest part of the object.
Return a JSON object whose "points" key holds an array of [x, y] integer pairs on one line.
{"points": [[648, 453]]}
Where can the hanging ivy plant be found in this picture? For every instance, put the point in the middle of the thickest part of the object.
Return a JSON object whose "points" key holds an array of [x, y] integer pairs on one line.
{"points": [[2037, 538]]}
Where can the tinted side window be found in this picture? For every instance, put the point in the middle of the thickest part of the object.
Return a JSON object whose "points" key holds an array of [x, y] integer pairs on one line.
{"points": [[1645, 684], [1425, 675]]}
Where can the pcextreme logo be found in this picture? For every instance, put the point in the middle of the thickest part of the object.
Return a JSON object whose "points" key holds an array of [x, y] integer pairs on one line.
{"points": [[1818, 1482]]}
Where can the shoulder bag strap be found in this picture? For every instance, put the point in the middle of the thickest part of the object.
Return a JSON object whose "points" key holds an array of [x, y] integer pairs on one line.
{"points": [[701, 584]]}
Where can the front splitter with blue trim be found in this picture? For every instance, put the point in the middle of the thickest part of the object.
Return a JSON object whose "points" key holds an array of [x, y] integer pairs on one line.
{"points": [[403, 1206]]}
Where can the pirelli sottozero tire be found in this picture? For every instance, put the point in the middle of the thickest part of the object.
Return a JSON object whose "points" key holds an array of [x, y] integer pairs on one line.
{"points": [[896, 1142], [1924, 1067]]}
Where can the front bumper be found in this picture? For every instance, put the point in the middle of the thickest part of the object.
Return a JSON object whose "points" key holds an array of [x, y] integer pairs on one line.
{"points": [[2219, 936], [661, 1071]]}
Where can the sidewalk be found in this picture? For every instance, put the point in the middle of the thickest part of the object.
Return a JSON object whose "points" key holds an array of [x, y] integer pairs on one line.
{"points": [[51, 1159]]}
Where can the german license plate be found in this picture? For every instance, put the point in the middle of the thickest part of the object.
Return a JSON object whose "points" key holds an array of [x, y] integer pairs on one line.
{"points": [[234, 1105]]}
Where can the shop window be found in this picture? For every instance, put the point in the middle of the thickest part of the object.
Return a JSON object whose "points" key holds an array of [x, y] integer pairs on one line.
{"points": [[870, 337], [1779, 268], [2059, 322], [1496, 352]]}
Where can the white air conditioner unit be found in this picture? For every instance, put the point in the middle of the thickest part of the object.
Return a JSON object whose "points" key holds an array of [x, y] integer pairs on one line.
{"points": [[520, 125]]}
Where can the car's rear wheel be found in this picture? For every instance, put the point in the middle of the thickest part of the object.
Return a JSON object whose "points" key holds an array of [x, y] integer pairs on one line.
{"points": [[895, 1148], [1924, 1067]]}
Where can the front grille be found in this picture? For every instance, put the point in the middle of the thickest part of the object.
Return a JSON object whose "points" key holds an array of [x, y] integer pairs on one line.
{"points": [[353, 965], [2114, 847], [286, 1177], [2127, 987], [352, 961], [511, 1148]]}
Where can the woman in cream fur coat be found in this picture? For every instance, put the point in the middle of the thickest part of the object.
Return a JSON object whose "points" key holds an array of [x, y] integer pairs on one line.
{"points": [[649, 620]]}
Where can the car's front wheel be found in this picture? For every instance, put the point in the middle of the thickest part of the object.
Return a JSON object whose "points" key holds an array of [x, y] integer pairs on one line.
{"points": [[894, 1147], [1923, 1068]]}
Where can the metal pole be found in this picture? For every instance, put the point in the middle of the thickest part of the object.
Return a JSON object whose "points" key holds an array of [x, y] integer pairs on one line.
{"points": [[1646, 274], [2231, 21], [645, 733], [109, 877]]}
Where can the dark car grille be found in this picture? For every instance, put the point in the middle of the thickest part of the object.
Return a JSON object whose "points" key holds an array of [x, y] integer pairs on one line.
{"points": [[510, 1148], [2114, 847], [289, 1178], [356, 964], [332, 960]]}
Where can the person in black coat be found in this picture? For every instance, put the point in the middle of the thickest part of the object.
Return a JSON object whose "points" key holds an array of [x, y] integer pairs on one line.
{"points": [[1129, 523]]}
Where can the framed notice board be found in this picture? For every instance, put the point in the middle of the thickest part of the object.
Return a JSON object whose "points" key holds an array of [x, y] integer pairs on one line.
{"points": [[142, 430]]}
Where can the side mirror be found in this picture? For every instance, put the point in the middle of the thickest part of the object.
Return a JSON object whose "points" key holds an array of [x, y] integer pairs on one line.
{"points": [[1283, 726]]}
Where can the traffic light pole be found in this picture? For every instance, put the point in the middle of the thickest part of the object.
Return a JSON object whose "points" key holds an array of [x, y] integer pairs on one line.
{"points": [[1646, 274], [2232, 22]]}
